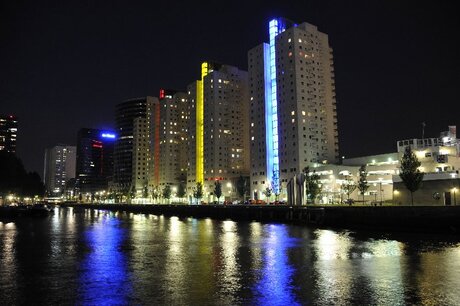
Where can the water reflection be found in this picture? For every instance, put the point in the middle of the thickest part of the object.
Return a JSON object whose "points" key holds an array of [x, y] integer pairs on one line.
{"points": [[103, 276], [276, 286], [7, 260], [99, 257], [228, 268]]}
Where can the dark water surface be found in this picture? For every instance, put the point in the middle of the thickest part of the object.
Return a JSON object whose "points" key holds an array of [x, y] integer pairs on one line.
{"points": [[89, 257]]}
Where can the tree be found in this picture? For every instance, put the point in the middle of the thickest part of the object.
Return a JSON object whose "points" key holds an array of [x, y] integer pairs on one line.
{"points": [[132, 193], [155, 193], [312, 185], [145, 192], [181, 192], [217, 190], [167, 192], [198, 192], [410, 174], [242, 186], [14, 178], [362, 182], [268, 192], [349, 186]]}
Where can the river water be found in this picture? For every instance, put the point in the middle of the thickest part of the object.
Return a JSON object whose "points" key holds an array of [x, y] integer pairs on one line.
{"points": [[85, 257]]}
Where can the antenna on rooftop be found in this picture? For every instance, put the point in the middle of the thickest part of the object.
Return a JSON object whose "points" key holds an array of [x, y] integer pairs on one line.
{"points": [[423, 129]]}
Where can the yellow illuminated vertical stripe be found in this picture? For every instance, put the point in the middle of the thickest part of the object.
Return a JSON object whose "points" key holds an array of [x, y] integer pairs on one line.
{"points": [[200, 124]]}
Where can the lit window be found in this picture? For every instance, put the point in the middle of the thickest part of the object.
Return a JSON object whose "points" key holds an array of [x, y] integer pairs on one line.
{"points": [[289, 40], [300, 40], [292, 113]]}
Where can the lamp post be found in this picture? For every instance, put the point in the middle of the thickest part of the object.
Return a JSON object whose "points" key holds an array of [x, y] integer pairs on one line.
{"points": [[381, 191]]}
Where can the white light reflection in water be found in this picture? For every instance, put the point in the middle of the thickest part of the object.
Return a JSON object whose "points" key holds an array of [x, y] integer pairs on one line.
{"points": [[8, 234], [255, 238], [334, 272], [345, 265], [276, 284], [175, 270], [229, 273]]}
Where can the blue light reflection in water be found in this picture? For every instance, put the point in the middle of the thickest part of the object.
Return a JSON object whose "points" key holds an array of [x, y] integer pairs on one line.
{"points": [[276, 284], [104, 279]]}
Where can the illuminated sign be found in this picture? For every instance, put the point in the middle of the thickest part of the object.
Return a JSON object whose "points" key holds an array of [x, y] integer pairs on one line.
{"points": [[108, 135]]}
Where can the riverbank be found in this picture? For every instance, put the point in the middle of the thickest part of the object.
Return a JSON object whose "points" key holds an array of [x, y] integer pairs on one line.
{"points": [[386, 218]]}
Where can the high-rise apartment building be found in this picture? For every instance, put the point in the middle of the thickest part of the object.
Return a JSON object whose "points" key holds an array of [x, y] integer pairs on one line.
{"points": [[172, 137], [133, 164], [94, 159], [218, 129], [293, 117], [8, 133], [59, 168]]}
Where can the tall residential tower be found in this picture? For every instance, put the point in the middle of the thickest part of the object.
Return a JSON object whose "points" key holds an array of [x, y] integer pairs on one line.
{"points": [[293, 117], [133, 164], [218, 129], [59, 168]]}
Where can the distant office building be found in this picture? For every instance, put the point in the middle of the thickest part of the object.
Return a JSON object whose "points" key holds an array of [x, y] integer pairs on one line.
{"points": [[8, 133], [94, 159], [59, 168], [133, 164], [293, 117], [172, 138], [218, 129]]}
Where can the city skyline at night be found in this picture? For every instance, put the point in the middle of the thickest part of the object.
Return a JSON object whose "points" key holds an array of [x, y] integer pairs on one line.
{"points": [[390, 60]]}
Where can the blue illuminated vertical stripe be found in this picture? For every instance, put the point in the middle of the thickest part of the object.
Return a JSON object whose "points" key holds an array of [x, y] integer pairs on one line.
{"points": [[268, 114], [275, 27]]}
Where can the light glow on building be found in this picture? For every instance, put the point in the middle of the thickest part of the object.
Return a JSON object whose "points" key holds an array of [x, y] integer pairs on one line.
{"points": [[200, 124], [276, 26]]}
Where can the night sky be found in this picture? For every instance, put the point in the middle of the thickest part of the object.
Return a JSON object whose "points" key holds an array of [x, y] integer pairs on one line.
{"points": [[64, 65]]}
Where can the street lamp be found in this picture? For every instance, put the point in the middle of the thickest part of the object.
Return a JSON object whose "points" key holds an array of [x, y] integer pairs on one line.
{"points": [[381, 191]]}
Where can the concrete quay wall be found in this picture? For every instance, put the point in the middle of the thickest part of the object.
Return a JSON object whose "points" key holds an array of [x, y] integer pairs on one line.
{"points": [[391, 218]]}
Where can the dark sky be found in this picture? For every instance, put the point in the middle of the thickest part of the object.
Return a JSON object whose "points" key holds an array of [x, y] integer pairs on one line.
{"points": [[65, 64]]}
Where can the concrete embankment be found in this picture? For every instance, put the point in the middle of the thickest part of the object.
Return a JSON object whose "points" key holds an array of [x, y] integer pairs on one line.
{"points": [[388, 218]]}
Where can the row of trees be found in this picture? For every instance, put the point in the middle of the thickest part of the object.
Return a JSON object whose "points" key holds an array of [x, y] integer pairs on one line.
{"points": [[313, 187], [242, 187], [14, 179]]}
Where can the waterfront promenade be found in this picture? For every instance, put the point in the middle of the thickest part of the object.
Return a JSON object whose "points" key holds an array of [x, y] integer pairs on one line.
{"points": [[392, 218]]}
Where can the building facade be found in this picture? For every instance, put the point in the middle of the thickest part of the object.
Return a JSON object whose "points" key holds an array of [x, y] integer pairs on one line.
{"points": [[94, 168], [8, 133], [293, 117], [172, 138], [133, 163], [60, 166], [218, 130]]}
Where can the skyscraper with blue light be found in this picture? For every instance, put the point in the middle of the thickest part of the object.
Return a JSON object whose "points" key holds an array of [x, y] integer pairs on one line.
{"points": [[94, 159], [293, 117]]}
